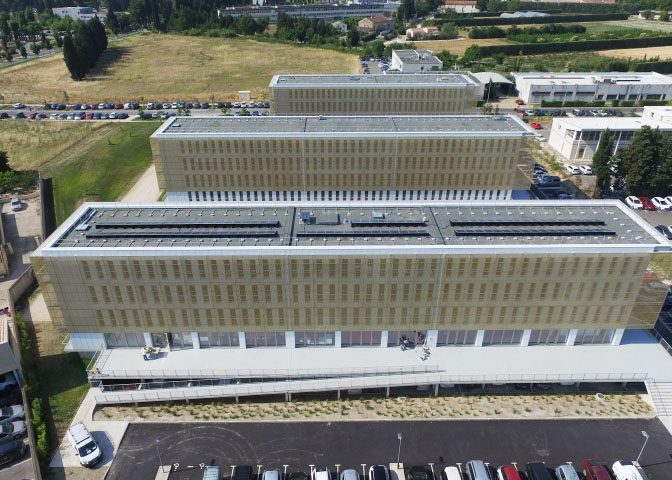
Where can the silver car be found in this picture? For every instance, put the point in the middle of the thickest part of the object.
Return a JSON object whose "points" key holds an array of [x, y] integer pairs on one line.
{"points": [[9, 414], [349, 474], [12, 430]]}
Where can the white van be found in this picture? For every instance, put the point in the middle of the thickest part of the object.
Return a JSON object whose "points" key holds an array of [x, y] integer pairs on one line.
{"points": [[628, 471], [85, 446]]}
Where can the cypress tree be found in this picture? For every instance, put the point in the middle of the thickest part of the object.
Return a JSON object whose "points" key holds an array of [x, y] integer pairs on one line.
{"points": [[601, 160], [71, 58]]}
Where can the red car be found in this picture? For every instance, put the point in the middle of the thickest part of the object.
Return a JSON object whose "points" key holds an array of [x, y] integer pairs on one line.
{"points": [[536, 125], [88, 116], [519, 102], [595, 472], [647, 204], [508, 472]]}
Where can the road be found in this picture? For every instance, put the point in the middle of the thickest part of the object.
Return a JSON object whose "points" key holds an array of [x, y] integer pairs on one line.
{"points": [[353, 443]]}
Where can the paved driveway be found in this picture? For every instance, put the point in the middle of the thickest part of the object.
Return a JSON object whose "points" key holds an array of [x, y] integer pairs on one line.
{"points": [[353, 443]]}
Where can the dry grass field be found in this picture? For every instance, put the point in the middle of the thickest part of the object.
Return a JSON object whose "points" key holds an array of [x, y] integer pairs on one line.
{"points": [[639, 53], [155, 67], [459, 45]]}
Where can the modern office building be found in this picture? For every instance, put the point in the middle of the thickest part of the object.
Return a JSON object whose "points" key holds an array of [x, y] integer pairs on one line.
{"points": [[261, 159], [415, 61], [577, 138], [208, 283], [412, 94], [536, 87], [78, 13], [323, 11]]}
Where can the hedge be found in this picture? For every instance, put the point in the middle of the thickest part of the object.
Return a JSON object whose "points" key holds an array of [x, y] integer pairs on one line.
{"points": [[573, 103], [587, 45], [660, 67], [474, 22]]}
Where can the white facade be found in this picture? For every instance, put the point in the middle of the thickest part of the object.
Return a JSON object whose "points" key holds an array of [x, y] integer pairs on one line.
{"points": [[534, 88], [78, 13], [326, 12], [415, 61], [576, 139]]}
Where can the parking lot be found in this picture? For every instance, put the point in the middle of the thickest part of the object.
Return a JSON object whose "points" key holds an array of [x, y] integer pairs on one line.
{"points": [[351, 444]]}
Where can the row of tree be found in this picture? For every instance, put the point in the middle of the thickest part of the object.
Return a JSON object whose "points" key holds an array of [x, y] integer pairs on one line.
{"points": [[82, 48], [643, 168]]}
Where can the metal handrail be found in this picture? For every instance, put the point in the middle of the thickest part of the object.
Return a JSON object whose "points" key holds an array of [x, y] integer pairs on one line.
{"points": [[94, 359]]}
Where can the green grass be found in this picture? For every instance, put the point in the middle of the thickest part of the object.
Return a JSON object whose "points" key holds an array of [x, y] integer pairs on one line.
{"points": [[103, 170]]}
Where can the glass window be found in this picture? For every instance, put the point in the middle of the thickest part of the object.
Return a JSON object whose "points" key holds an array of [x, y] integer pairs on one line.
{"points": [[548, 337], [593, 336], [314, 339], [456, 337], [218, 339], [264, 339], [180, 341], [502, 337], [124, 340], [360, 339]]}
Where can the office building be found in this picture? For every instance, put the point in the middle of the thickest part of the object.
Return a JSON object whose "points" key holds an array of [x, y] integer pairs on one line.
{"points": [[577, 138], [207, 283], [321, 11], [412, 94], [533, 88], [78, 13], [261, 159], [415, 61]]}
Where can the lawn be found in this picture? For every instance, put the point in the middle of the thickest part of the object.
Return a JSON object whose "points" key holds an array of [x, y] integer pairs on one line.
{"points": [[30, 145], [458, 45], [102, 167], [154, 67]]}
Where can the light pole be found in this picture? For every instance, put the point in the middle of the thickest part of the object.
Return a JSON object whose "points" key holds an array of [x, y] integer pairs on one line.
{"points": [[159, 454], [646, 439], [399, 437]]}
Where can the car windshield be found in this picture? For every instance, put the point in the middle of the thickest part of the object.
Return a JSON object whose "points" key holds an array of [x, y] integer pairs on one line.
{"points": [[87, 449], [6, 413], [420, 474], [6, 427], [298, 476]]}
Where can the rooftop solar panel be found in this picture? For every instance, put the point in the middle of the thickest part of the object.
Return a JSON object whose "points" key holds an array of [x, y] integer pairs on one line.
{"points": [[388, 223], [187, 234], [365, 233], [531, 232], [523, 223]]}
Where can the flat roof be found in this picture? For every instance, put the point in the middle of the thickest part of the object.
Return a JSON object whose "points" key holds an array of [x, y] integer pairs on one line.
{"points": [[612, 123], [447, 79], [358, 126], [447, 225], [592, 78], [416, 56]]}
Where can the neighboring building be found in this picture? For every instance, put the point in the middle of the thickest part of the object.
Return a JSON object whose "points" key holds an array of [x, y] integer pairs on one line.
{"points": [[523, 14], [461, 6], [415, 61], [587, 87], [78, 13], [419, 94], [340, 26], [375, 24], [422, 33], [325, 11], [208, 283], [304, 158], [576, 139]]}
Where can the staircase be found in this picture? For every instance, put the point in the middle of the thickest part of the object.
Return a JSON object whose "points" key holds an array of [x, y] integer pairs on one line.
{"points": [[661, 395]]}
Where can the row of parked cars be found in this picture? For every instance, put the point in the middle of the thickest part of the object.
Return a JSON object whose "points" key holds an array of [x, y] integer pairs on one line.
{"points": [[12, 424], [579, 170], [149, 106], [472, 470], [651, 204]]}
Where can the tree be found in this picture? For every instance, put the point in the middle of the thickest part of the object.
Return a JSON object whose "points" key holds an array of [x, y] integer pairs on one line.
{"points": [[4, 162], [449, 30], [449, 60], [664, 16], [407, 9], [471, 54], [72, 60], [8, 55], [601, 164], [641, 159], [35, 48], [353, 37], [22, 51], [112, 22], [138, 12]]}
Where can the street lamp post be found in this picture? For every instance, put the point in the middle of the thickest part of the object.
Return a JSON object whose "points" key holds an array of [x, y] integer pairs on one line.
{"points": [[399, 437], [646, 439], [159, 454]]}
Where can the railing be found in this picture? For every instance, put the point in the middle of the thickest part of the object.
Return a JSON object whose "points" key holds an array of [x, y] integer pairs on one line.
{"points": [[91, 365], [299, 386], [663, 342], [652, 388]]}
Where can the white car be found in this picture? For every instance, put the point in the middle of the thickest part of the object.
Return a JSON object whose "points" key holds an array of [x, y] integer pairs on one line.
{"points": [[12, 430], [634, 203], [661, 203], [19, 105], [573, 169], [11, 413], [586, 169], [669, 199]]}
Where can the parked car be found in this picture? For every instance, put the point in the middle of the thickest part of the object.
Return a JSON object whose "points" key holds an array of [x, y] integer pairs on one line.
{"points": [[12, 430], [573, 170], [298, 476], [566, 472], [15, 204], [242, 472], [647, 204], [349, 474], [538, 471], [320, 474], [548, 180], [665, 231], [212, 472], [12, 450], [634, 203], [508, 472], [4, 115], [420, 472], [8, 382], [661, 203], [19, 115], [536, 125], [11, 413], [565, 196], [519, 101], [595, 472], [586, 169], [377, 472], [478, 470], [272, 474], [452, 473], [19, 105], [84, 445], [624, 470]]}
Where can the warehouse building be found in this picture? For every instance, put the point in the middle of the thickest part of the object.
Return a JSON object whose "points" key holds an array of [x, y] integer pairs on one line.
{"points": [[324, 11], [415, 61], [206, 283], [576, 139], [299, 158], [412, 94], [534, 87]]}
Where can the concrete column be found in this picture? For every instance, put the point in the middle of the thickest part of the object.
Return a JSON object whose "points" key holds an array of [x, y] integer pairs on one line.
{"points": [[290, 340], [195, 340], [525, 339], [571, 338], [241, 340], [383, 339], [148, 339], [479, 338], [431, 338], [337, 339], [618, 336], [387, 391]]}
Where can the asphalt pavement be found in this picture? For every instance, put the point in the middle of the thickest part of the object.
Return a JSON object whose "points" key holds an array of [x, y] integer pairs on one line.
{"points": [[352, 443]]}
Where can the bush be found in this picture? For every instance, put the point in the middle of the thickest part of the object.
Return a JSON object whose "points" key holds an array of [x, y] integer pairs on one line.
{"points": [[487, 32], [13, 180], [599, 17], [660, 67]]}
